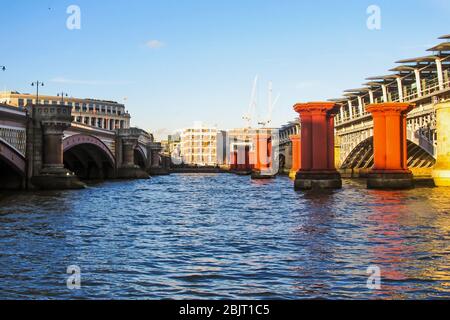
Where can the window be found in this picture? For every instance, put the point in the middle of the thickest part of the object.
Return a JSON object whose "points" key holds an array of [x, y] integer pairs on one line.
{"points": [[20, 103]]}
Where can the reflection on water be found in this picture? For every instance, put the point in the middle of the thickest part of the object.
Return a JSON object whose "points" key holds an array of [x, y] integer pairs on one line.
{"points": [[224, 236]]}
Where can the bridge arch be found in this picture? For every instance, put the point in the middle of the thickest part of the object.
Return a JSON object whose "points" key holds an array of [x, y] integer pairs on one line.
{"points": [[88, 157], [140, 157], [361, 157], [12, 167]]}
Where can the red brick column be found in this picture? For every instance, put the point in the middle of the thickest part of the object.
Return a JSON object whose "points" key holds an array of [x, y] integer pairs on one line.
{"points": [[390, 170], [317, 132], [317, 168], [263, 157], [296, 155], [263, 152]]}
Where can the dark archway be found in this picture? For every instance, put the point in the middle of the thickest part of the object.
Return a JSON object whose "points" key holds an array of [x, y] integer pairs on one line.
{"points": [[282, 163], [362, 156], [139, 158], [89, 158], [12, 167]]}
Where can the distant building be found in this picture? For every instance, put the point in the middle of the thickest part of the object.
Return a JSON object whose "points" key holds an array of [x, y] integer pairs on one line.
{"points": [[241, 138], [174, 142], [199, 146], [102, 114]]}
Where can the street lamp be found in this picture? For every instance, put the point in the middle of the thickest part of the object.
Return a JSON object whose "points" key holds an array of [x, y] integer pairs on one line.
{"points": [[37, 84], [62, 95]]}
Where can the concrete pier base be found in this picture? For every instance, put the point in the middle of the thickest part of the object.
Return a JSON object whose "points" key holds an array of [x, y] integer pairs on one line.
{"points": [[441, 177], [441, 171], [57, 179], [241, 173], [390, 180], [292, 174], [259, 175], [159, 172], [134, 172], [318, 180]]}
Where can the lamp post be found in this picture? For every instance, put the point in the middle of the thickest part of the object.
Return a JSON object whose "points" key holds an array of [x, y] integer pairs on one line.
{"points": [[62, 95], [37, 84]]}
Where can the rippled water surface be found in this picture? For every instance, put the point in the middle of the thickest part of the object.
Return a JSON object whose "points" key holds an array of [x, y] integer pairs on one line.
{"points": [[224, 237]]}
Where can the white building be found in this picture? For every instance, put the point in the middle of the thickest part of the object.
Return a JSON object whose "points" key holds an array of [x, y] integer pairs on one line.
{"points": [[199, 146]]}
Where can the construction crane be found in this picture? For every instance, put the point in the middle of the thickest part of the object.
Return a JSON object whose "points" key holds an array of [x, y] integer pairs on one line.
{"points": [[253, 104], [272, 105]]}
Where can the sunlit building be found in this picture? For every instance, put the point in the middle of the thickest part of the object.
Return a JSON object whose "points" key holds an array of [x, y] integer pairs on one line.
{"points": [[199, 146], [103, 114]]}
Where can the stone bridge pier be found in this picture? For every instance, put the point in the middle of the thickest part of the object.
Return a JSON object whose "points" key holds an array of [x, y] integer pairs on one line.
{"points": [[128, 169], [47, 130], [159, 165], [441, 171]]}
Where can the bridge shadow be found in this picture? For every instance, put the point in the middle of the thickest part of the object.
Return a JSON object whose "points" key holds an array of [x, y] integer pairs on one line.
{"points": [[89, 162]]}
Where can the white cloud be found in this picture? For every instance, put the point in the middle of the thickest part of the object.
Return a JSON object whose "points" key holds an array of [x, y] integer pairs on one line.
{"points": [[88, 82], [155, 44]]}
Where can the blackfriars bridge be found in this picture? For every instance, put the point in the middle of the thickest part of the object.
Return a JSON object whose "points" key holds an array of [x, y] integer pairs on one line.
{"points": [[41, 147], [395, 127]]}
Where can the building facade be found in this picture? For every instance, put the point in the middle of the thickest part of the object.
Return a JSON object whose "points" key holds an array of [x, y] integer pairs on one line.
{"points": [[108, 115], [199, 146]]}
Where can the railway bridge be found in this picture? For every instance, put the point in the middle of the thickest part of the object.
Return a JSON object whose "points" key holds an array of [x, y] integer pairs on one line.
{"points": [[423, 82]]}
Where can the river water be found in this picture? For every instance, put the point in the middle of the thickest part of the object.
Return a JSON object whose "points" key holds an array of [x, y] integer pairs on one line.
{"points": [[224, 237]]}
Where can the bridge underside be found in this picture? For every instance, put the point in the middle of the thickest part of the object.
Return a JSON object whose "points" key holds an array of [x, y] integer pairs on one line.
{"points": [[10, 178], [361, 160], [12, 168], [139, 159], [89, 162]]}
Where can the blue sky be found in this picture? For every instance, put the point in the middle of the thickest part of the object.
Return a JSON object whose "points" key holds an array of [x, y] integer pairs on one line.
{"points": [[181, 61]]}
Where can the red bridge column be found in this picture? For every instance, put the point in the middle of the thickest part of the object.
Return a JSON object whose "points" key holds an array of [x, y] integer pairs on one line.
{"points": [[390, 170], [263, 157], [296, 155], [317, 169]]}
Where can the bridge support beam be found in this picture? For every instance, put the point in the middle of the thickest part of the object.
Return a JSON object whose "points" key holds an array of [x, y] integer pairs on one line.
{"points": [[390, 170], [296, 155], [158, 166], [53, 175], [240, 163], [441, 171], [263, 156], [129, 170], [317, 156]]}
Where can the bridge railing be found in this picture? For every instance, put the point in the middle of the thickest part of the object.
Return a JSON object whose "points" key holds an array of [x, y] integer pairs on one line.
{"points": [[430, 85], [423, 138], [411, 92]]}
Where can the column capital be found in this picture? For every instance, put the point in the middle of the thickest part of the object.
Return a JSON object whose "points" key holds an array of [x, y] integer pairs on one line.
{"points": [[54, 128], [390, 107], [316, 107], [54, 119]]}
